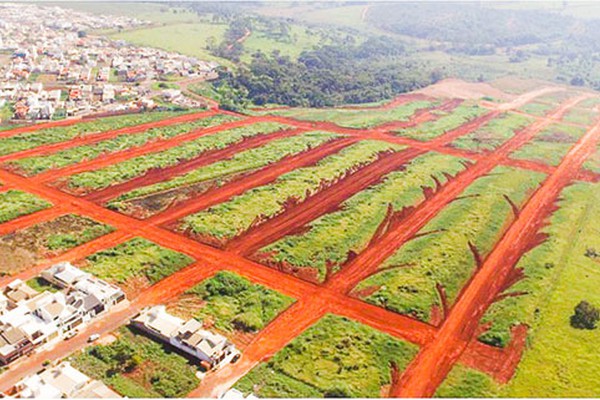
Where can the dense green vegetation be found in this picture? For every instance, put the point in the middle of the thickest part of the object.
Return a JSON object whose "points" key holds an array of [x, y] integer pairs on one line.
{"points": [[237, 215], [355, 118], [432, 129], [232, 302], [138, 166], [493, 134], [136, 366], [35, 165], [327, 76], [41, 285], [222, 171], [333, 237], [334, 358], [440, 253], [15, 203], [30, 140], [550, 145], [137, 257]]}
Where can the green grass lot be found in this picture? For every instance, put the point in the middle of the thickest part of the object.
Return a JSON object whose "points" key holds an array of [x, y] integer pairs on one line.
{"points": [[136, 366], [138, 166], [463, 382], [550, 145], [336, 357], [302, 38], [493, 134], [231, 303], [559, 360], [432, 129], [57, 235], [30, 166], [134, 258], [229, 219], [407, 282], [592, 163], [590, 103], [537, 108], [333, 237], [41, 285], [556, 98], [15, 203], [583, 116], [243, 162], [186, 38], [354, 118], [30, 140]]}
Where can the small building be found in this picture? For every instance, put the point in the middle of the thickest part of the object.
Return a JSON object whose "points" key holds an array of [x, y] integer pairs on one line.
{"points": [[187, 336], [62, 381]]}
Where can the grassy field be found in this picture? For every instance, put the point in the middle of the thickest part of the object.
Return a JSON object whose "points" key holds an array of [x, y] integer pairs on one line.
{"points": [[581, 116], [30, 166], [559, 360], [186, 38], [432, 129], [136, 366], [136, 258], [334, 358], [229, 219], [138, 166], [550, 145], [231, 303], [15, 203], [332, 238], [593, 162], [354, 118], [463, 382], [441, 255], [223, 171], [30, 140], [537, 108], [493, 134]]}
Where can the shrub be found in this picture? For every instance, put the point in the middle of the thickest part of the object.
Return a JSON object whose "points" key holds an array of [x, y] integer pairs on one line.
{"points": [[586, 316]]}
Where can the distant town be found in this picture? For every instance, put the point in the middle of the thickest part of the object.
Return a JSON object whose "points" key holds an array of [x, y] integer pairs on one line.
{"points": [[54, 68]]}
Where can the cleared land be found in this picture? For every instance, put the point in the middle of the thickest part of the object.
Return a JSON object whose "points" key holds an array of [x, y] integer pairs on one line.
{"points": [[30, 245]]}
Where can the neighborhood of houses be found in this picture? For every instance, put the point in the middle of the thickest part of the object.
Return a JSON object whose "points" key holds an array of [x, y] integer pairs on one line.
{"points": [[31, 320], [53, 68]]}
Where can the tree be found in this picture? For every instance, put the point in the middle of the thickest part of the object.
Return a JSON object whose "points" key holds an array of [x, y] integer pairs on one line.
{"points": [[586, 316]]}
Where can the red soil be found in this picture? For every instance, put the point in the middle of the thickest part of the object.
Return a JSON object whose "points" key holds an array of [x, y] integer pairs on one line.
{"points": [[421, 116]]}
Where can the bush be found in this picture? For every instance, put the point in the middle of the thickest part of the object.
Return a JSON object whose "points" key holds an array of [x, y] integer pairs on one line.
{"points": [[586, 316]]}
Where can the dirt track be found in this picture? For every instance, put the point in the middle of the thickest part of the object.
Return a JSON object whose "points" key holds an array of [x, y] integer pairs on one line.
{"points": [[314, 300]]}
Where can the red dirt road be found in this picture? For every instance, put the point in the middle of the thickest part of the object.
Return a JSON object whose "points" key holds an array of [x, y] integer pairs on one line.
{"points": [[434, 362]]}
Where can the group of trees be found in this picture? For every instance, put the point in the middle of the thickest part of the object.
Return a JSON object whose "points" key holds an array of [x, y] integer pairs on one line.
{"points": [[330, 75]]}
